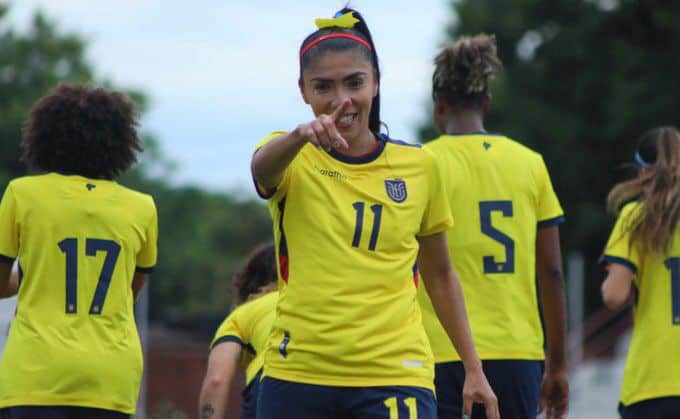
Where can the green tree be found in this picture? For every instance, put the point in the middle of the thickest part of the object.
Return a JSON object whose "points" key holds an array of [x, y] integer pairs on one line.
{"points": [[203, 235], [582, 80]]}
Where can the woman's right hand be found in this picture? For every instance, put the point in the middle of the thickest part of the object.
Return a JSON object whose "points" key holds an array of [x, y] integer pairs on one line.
{"points": [[322, 131], [476, 389]]}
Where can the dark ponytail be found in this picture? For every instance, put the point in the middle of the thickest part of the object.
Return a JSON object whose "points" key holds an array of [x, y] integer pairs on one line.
{"points": [[361, 30]]}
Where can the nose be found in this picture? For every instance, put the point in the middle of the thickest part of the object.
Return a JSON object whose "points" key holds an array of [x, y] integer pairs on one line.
{"points": [[341, 95]]}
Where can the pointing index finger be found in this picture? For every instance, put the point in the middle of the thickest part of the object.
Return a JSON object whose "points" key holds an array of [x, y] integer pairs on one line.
{"points": [[337, 113]]}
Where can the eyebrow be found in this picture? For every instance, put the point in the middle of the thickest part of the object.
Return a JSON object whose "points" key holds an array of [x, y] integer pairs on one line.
{"points": [[351, 76]]}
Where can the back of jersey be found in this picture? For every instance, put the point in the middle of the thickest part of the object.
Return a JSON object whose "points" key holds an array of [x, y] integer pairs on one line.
{"points": [[499, 193], [78, 241]]}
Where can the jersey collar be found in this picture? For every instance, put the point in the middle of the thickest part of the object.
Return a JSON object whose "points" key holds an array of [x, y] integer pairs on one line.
{"points": [[381, 140]]}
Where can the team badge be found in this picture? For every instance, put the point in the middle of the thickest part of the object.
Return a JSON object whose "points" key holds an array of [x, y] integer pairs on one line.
{"points": [[396, 190]]}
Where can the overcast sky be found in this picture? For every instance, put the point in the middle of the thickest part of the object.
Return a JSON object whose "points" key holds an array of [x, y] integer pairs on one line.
{"points": [[223, 74]]}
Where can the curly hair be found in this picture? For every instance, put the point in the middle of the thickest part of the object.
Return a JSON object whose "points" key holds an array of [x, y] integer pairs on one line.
{"points": [[258, 271], [82, 130], [463, 70], [658, 190]]}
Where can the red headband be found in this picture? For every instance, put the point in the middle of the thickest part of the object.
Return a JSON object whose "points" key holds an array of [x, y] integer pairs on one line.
{"points": [[335, 35]]}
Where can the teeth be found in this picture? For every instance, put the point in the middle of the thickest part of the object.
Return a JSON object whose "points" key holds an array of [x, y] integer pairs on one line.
{"points": [[346, 119]]}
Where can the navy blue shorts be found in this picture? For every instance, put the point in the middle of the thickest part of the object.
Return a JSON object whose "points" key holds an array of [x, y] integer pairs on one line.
{"points": [[249, 398], [59, 412], [287, 400], [517, 384], [660, 408]]}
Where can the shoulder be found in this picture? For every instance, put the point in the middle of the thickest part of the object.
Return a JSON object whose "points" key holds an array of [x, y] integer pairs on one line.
{"points": [[28, 182], [137, 198], [265, 302], [405, 149], [630, 209]]}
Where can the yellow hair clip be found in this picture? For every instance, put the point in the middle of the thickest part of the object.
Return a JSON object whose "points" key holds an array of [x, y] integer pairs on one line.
{"points": [[344, 21]]}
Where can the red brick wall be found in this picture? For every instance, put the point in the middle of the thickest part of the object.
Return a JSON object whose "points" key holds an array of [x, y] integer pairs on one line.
{"points": [[175, 375]]}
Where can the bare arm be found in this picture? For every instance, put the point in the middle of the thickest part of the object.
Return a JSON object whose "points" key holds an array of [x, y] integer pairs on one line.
{"points": [[222, 365], [616, 287], [138, 282], [555, 386], [9, 280], [443, 287], [270, 162]]}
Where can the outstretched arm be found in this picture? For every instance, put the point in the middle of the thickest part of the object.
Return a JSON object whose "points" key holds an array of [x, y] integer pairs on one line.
{"points": [[270, 162]]}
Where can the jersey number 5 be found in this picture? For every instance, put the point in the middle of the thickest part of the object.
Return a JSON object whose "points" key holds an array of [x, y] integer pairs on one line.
{"points": [[490, 264], [92, 246], [673, 265]]}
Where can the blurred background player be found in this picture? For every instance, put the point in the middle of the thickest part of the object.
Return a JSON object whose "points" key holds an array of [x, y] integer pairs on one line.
{"points": [[241, 339], [352, 209], [643, 254], [85, 247], [505, 237]]}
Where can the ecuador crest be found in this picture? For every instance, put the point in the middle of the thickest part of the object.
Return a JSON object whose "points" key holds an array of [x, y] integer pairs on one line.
{"points": [[396, 190]]}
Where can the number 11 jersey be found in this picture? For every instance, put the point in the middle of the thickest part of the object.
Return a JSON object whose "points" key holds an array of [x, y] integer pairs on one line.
{"points": [[79, 241], [346, 233]]}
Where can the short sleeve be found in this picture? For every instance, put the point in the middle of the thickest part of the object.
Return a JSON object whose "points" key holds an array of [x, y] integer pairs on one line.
{"points": [[437, 216], [548, 211], [234, 329], [619, 248], [9, 227], [264, 192], [147, 255]]}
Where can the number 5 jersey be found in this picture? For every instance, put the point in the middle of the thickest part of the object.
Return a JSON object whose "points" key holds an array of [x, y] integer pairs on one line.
{"points": [[346, 234], [74, 340], [500, 195]]}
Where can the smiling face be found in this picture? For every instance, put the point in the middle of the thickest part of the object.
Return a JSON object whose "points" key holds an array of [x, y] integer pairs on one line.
{"points": [[336, 76]]}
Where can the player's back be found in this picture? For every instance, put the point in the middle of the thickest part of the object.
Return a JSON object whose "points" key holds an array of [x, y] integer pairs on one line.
{"points": [[74, 340], [500, 193]]}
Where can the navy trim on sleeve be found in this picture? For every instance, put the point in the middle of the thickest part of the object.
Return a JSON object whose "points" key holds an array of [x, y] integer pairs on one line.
{"points": [[232, 338], [148, 270], [6, 259], [551, 222], [621, 261], [259, 192]]}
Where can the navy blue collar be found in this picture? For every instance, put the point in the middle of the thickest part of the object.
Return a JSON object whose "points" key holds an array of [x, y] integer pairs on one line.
{"points": [[381, 140]]}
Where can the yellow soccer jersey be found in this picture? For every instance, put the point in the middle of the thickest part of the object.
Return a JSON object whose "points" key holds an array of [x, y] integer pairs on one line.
{"points": [[653, 364], [249, 325], [500, 194], [345, 230], [74, 340]]}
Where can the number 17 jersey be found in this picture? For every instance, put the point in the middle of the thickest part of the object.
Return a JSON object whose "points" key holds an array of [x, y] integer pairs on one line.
{"points": [[78, 241]]}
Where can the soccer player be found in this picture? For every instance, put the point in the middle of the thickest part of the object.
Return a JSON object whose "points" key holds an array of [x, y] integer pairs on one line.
{"points": [[506, 237], [643, 256], [352, 210], [85, 246], [241, 339]]}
